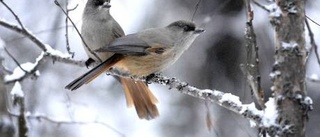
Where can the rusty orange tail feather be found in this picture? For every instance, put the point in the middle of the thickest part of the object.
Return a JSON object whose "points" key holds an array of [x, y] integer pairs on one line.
{"points": [[138, 94]]}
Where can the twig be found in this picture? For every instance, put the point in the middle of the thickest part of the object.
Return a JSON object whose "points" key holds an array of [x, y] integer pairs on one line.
{"points": [[48, 52], [314, 46], [195, 10], [40, 117], [14, 60], [85, 44], [40, 44], [261, 6], [251, 69], [40, 60], [25, 33], [67, 30], [312, 20], [15, 15]]}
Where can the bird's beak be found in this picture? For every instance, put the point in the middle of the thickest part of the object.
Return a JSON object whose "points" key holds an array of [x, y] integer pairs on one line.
{"points": [[199, 30], [106, 5]]}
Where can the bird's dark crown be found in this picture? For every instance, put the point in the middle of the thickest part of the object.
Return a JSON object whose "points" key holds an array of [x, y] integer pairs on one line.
{"points": [[185, 25]]}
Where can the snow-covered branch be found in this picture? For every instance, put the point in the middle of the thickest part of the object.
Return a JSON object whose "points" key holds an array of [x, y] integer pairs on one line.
{"points": [[226, 100], [48, 52], [262, 119]]}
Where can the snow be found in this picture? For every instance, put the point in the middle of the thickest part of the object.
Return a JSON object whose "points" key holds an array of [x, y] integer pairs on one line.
{"points": [[274, 9], [56, 52], [273, 88], [28, 66], [292, 9], [314, 77], [308, 100], [228, 97], [270, 113], [289, 45], [207, 91], [17, 90], [274, 74], [252, 108]]}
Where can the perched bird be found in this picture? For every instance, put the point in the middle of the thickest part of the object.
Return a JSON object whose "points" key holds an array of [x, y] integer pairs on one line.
{"points": [[99, 29], [145, 52]]}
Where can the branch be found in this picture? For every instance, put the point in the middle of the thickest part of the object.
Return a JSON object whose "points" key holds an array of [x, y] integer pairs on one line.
{"points": [[226, 100], [15, 15], [314, 46], [312, 20], [23, 32], [40, 117], [85, 44], [251, 68], [195, 10], [67, 30], [48, 52], [261, 6], [14, 59]]}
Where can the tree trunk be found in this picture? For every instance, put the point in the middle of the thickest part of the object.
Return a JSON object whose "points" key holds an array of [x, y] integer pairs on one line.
{"points": [[289, 68]]}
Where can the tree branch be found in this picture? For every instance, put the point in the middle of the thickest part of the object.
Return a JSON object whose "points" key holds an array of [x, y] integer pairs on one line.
{"points": [[251, 68], [48, 52], [15, 15], [85, 44], [40, 117], [314, 46]]}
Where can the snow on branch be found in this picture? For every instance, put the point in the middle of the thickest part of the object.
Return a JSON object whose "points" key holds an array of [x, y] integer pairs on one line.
{"points": [[226, 100], [48, 52], [262, 119]]}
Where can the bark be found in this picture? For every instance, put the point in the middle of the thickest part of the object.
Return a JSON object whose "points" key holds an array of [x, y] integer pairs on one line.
{"points": [[289, 69]]}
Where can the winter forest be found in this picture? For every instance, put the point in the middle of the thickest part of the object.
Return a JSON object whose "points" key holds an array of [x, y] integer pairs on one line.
{"points": [[252, 70]]}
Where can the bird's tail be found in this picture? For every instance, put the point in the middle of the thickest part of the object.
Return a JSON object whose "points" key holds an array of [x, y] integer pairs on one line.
{"points": [[93, 73], [138, 94]]}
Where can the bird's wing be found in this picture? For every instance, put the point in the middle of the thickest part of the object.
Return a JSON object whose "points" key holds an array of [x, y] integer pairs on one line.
{"points": [[139, 44], [128, 45]]}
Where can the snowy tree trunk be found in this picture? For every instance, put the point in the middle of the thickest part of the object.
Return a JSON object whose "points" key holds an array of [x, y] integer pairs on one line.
{"points": [[289, 68], [6, 126]]}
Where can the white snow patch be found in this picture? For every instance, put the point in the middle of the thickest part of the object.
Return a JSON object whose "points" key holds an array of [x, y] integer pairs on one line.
{"points": [[228, 97], [308, 100], [252, 123], [274, 74], [273, 88], [293, 9], [314, 77], [16, 90], [18, 72], [270, 113], [56, 52], [251, 107], [274, 9], [289, 45]]}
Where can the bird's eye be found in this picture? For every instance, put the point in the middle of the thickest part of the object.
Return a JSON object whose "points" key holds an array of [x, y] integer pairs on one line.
{"points": [[187, 28], [98, 2]]}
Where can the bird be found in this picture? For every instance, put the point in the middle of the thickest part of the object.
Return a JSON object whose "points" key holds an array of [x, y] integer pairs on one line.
{"points": [[144, 53]]}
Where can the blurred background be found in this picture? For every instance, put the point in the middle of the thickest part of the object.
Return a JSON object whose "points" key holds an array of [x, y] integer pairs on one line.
{"points": [[99, 108]]}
